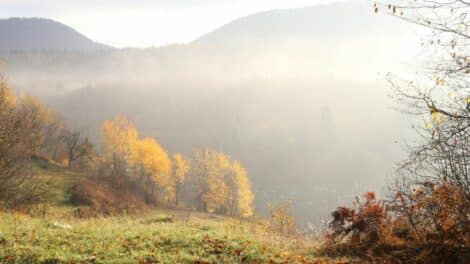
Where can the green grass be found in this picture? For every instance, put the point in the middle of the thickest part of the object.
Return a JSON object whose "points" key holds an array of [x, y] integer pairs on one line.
{"points": [[153, 238], [59, 180], [158, 236]]}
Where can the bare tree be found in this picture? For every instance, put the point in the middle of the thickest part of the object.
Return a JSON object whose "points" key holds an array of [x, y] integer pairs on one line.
{"points": [[441, 93], [53, 129], [433, 191], [76, 146]]}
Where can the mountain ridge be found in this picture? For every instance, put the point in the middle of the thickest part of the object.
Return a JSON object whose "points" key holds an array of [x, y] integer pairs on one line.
{"points": [[35, 33], [315, 20]]}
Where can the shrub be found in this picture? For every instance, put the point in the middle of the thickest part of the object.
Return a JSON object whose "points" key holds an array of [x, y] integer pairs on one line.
{"points": [[429, 226], [281, 220], [103, 198]]}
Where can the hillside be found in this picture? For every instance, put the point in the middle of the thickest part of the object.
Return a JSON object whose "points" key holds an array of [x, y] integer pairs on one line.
{"points": [[145, 239], [321, 23], [323, 134], [156, 235], [23, 34]]}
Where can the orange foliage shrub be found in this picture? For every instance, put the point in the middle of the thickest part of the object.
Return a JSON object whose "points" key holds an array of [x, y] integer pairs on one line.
{"points": [[361, 223], [428, 225], [108, 193]]}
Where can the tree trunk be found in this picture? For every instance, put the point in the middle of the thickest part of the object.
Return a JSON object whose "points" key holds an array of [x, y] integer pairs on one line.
{"points": [[70, 158]]}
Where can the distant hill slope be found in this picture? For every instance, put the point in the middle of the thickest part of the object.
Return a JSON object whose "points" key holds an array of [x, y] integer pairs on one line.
{"points": [[336, 21], [42, 34]]}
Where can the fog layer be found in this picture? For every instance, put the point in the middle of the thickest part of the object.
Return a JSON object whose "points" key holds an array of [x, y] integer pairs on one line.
{"points": [[299, 96]]}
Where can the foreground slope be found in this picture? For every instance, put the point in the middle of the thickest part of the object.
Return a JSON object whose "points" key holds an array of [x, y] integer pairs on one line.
{"points": [[56, 235], [154, 238]]}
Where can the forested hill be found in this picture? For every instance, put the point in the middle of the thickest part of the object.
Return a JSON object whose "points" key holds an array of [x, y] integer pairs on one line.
{"points": [[22, 34]]}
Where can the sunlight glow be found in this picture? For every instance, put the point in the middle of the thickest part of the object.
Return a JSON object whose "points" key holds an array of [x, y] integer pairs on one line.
{"points": [[126, 23]]}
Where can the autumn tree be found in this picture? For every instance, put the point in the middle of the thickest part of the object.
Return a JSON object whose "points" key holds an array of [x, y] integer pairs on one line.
{"points": [[76, 146], [89, 158], [118, 135], [151, 160], [208, 180], [241, 196], [142, 160], [53, 129], [56, 141], [209, 190], [441, 95], [180, 171], [281, 219], [432, 195], [20, 128], [219, 184]]}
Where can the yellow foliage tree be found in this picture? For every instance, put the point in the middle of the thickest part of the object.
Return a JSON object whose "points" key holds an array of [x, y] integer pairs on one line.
{"points": [[180, 167], [222, 185], [118, 135], [180, 171], [153, 159], [120, 142], [206, 180], [211, 180], [241, 193], [7, 98]]}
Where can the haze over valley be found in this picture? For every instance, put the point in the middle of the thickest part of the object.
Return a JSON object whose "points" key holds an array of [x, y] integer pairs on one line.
{"points": [[299, 96]]}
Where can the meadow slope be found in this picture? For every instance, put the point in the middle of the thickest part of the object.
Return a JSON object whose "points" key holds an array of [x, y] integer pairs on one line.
{"points": [[51, 233]]}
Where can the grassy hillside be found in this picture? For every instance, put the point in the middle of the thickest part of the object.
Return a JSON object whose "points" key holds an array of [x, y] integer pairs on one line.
{"points": [[153, 238], [58, 178], [157, 236]]}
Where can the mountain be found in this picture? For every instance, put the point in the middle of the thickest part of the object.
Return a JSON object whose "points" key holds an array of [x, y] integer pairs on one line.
{"points": [[42, 34], [344, 40], [337, 21]]}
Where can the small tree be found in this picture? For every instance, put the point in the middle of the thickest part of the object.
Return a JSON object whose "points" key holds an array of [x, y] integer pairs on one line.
{"points": [[281, 220], [76, 146]]}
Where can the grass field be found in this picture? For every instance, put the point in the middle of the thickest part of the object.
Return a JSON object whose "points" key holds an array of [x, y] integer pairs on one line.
{"points": [[156, 236], [153, 238]]}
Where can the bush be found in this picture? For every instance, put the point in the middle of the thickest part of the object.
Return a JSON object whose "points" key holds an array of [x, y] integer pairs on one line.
{"points": [[429, 226], [101, 197], [281, 220]]}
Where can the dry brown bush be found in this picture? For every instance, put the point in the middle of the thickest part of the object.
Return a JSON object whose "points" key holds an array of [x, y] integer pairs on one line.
{"points": [[102, 198], [106, 192], [430, 227]]}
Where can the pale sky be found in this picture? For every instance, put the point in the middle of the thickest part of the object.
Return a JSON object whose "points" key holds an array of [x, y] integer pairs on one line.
{"points": [[144, 23]]}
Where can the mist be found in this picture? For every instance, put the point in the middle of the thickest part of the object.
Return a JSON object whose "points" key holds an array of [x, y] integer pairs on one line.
{"points": [[299, 96]]}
